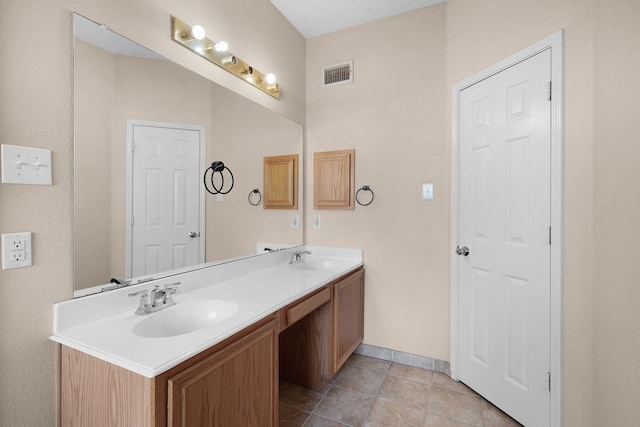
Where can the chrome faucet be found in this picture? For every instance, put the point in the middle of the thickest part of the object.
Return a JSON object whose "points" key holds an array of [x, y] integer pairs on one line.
{"points": [[155, 299], [297, 257]]}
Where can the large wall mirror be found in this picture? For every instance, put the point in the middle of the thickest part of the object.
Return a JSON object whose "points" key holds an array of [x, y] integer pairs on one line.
{"points": [[119, 85]]}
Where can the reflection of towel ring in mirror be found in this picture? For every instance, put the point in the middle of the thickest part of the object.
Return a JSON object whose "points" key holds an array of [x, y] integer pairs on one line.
{"points": [[365, 188], [217, 167], [250, 197]]}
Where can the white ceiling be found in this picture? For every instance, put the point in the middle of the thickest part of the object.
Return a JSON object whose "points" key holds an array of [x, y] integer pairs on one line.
{"points": [[316, 17]]}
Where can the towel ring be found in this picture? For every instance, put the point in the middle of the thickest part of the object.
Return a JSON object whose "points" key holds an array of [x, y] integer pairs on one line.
{"points": [[217, 167], [250, 197], [365, 188]]}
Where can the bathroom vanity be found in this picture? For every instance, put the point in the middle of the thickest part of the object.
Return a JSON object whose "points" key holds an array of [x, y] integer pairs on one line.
{"points": [[299, 322]]}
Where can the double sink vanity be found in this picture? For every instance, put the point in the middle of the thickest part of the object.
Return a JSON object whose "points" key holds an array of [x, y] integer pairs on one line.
{"points": [[215, 346]]}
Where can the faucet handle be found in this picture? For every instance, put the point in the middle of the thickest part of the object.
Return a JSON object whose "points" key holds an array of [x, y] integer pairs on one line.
{"points": [[145, 300], [171, 288], [145, 293]]}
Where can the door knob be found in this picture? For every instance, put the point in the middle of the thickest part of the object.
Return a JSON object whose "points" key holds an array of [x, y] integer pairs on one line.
{"points": [[193, 234], [462, 250]]}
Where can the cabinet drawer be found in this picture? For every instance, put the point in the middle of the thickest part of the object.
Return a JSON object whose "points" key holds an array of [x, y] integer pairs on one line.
{"points": [[305, 307]]}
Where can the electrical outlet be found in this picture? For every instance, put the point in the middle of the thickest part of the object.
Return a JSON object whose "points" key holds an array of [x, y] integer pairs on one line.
{"points": [[17, 244], [17, 256], [16, 250]]}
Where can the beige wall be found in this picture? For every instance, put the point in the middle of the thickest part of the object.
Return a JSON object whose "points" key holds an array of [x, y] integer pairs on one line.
{"points": [[394, 116], [402, 118], [36, 111], [616, 213]]}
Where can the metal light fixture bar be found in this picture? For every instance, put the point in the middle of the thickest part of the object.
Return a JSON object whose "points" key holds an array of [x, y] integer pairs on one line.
{"points": [[181, 33]]}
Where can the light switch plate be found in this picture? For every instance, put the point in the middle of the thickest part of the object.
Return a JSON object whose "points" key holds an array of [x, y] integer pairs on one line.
{"points": [[16, 250], [317, 222], [427, 191], [23, 165], [295, 221]]}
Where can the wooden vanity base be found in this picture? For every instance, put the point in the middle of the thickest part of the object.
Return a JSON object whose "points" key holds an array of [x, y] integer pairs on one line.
{"points": [[233, 383]]}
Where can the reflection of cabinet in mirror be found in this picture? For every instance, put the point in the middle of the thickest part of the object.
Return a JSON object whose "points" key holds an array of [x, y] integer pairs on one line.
{"points": [[281, 182], [334, 179]]}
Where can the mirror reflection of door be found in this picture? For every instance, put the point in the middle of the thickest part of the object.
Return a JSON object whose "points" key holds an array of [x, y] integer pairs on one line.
{"points": [[165, 203]]}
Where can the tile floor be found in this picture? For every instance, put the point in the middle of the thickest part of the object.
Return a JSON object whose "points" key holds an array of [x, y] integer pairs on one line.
{"points": [[374, 392]]}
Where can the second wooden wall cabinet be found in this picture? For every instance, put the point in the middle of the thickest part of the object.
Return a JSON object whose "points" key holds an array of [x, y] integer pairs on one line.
{"points": [[334, 179]]}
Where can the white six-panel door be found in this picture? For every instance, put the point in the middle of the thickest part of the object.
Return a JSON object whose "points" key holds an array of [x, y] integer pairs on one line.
{"points": [[504, 220], [166, 206]]}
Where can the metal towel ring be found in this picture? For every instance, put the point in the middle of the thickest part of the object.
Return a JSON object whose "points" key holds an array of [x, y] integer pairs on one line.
{"points": [[250, 197], [217, 167], [365, 188]]}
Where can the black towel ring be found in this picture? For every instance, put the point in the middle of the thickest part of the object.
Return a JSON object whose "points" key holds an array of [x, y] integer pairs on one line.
{"points": [[365, 188], [217, 167], [250, 197]]}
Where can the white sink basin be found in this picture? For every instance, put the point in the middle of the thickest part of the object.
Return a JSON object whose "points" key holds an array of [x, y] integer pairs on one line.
{"points": [[323, 265], [184, 318]]}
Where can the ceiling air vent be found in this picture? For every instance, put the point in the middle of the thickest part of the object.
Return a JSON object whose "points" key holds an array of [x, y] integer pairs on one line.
{"points": [[339, 74]]}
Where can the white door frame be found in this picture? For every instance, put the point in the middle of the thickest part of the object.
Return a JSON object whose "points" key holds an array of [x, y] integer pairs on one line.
{"points": [[128, 249], [555, 43]]}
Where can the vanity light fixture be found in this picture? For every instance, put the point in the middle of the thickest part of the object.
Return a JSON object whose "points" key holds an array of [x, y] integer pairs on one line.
{"points": [[217, 52]]}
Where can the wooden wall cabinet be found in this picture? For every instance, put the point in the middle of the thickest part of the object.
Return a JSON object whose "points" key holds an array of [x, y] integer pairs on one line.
{"points": [[334, 179], [280, 184]]}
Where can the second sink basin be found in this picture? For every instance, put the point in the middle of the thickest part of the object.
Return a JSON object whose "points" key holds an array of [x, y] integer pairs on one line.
{"points": [[184, 318]]}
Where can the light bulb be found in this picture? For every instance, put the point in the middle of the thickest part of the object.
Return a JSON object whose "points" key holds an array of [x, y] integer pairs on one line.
{"points": [[270, 78], [197, 32], [220, 46]]}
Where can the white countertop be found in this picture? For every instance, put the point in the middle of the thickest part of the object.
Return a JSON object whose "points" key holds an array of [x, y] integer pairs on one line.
{"points": [[102, 325]]}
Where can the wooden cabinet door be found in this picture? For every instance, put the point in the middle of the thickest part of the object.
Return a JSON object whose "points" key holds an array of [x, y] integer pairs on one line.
{"points": [[237, 386], [348, 320], [280, 185], [334, 179]]}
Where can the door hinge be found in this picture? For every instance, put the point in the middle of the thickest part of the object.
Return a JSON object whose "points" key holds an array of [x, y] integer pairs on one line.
{"points": [[550, 85], [132, 220], [549, 379], [549, 229], [133, 146]]}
